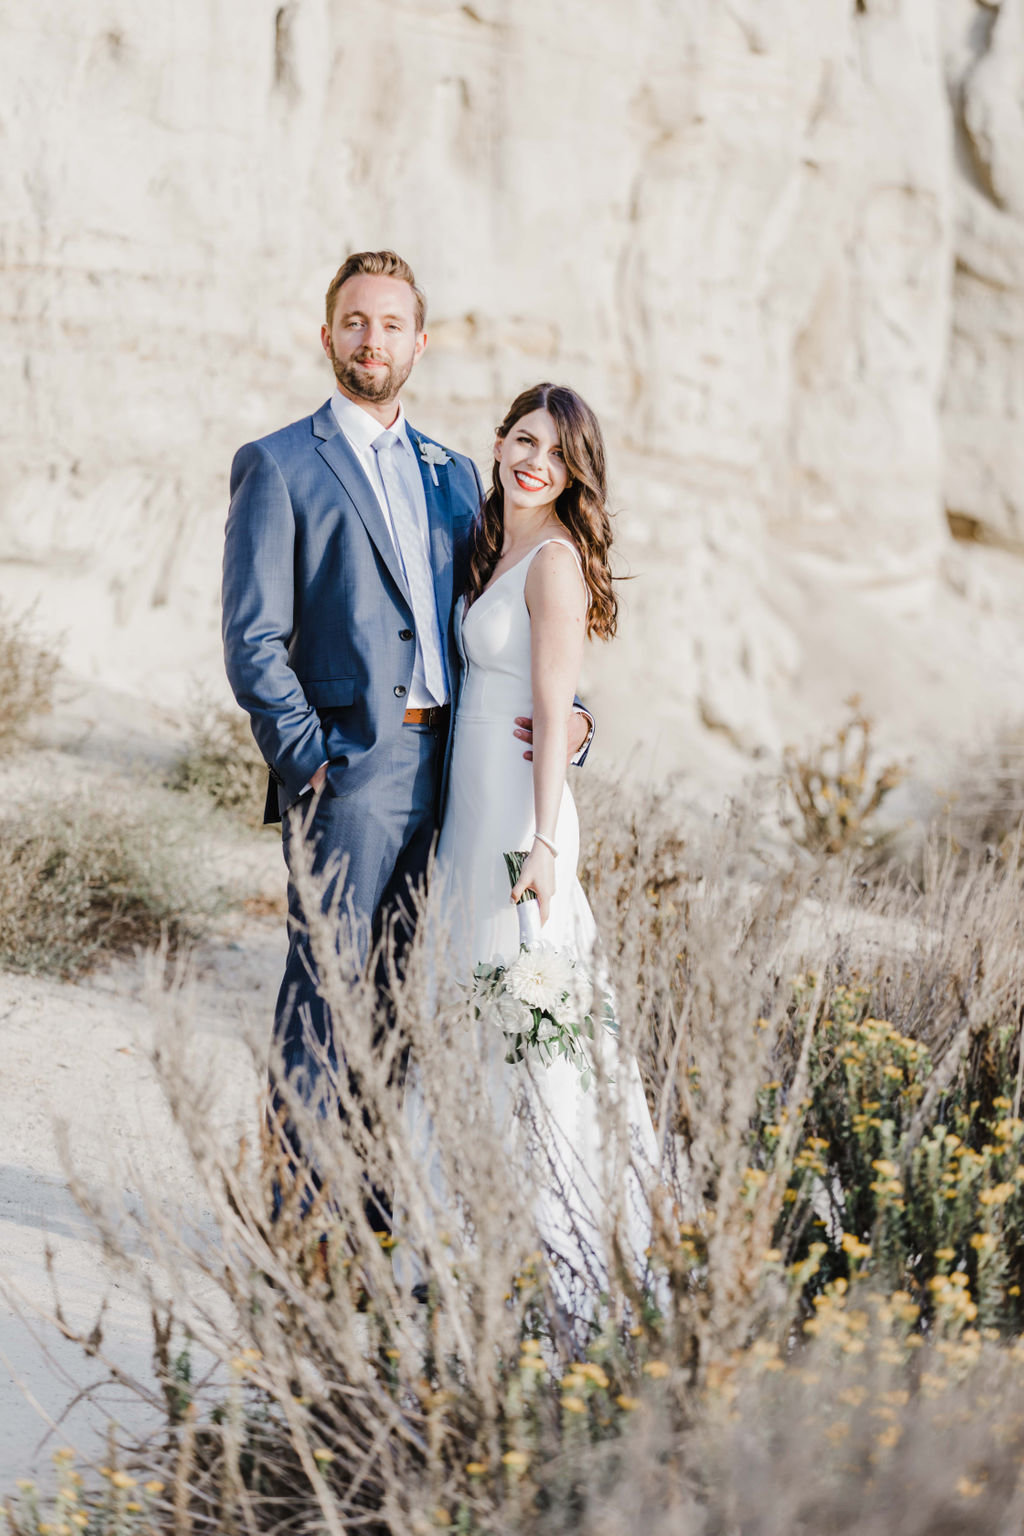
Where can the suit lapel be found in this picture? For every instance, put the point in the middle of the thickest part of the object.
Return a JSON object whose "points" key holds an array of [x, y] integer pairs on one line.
{"points": [[439, 514], [334, 450]]}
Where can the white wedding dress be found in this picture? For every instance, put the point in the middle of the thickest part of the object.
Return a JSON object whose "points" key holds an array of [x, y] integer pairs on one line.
{"points": [[553, 1127]]}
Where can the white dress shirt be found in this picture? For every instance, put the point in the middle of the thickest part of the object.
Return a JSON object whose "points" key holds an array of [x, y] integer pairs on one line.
{"points": [[360, 430]]}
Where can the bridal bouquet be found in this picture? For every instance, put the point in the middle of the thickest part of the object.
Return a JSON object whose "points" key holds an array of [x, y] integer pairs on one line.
{"points": [[541, 999]]}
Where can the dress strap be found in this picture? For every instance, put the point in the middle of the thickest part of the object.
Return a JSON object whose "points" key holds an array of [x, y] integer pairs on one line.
{"points": [[572, 550]]}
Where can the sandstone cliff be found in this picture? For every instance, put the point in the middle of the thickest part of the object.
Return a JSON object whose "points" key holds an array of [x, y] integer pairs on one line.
{"points": [[778, 243]]}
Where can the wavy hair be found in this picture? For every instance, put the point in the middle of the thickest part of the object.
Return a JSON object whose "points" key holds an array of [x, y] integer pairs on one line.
{"points": [[581, 508]]}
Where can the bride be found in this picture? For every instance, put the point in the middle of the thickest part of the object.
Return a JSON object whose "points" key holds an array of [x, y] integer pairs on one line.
{"points": [[539, 585]]}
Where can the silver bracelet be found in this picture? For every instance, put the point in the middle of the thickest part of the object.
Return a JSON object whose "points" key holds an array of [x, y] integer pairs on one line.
{"points": [[540, 838]]}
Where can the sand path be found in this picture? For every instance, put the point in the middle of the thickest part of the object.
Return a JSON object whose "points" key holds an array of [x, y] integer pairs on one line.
{"points": [[78, 1054]]}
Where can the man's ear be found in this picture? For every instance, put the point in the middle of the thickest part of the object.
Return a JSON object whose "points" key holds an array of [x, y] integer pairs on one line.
{"points": [[420, 347], [325, 339]]}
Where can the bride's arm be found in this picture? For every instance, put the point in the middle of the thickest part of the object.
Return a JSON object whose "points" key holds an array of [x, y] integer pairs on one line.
{"points": [[557, 600]]}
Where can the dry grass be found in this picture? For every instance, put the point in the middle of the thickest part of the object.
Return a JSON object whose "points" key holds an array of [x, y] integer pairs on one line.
{"points": [[99, 874], [222, 761], [828, 1338], [985, 803], [28, 675]]}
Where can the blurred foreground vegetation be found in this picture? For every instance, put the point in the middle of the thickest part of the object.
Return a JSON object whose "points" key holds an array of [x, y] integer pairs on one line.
{"points": [[829, 1337]]}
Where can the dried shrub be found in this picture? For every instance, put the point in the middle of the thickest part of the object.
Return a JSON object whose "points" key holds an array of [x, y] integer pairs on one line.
{"points": [[94, 876], [28, 676], [985, 803], [835, 789], [829, 1339], [222, 761]]}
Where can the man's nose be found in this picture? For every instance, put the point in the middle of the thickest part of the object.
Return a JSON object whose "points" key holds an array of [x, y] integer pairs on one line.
{"points": [[374, 335]]}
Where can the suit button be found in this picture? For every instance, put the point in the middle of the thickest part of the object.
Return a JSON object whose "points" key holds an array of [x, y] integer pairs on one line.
{"points": [[400, 692], [405, 634]]}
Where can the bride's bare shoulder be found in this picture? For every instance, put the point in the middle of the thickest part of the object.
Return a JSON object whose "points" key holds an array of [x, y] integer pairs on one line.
{"points": [[555, 574]]}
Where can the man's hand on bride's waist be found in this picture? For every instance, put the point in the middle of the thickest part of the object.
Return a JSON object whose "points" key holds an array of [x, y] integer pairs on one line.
{"points": [[580, 728]]}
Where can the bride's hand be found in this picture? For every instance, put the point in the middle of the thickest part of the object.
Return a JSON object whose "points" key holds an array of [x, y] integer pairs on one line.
{"points": [[537, 874]]}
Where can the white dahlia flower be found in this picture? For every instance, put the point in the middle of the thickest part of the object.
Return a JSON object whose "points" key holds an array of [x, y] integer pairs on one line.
{"points": [[540, 976]]}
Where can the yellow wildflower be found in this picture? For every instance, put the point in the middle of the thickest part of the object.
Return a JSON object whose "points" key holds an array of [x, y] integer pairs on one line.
{"points": [[997, 1195], [517, 1460], [476, 1468], [573, 1404]]}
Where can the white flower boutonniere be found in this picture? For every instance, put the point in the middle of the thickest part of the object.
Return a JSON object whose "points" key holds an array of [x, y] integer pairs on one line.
{"points": [[433, 454]]}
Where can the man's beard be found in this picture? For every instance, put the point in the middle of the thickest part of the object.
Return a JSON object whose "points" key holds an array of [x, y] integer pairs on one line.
{"points": [[381, 384]]}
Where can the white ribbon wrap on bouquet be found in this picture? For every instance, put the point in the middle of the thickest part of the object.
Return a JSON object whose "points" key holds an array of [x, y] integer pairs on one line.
{"points": [[528, 913]]}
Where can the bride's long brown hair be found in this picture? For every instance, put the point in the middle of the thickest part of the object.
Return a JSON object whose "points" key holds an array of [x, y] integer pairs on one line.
{"points": [[581, 508]]}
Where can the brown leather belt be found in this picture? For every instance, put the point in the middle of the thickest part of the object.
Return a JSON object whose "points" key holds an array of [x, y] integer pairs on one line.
{"points": [[437, 715]]}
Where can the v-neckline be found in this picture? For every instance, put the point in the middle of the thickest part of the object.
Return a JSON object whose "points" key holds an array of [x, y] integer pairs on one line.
{"points": [[495, 579]]}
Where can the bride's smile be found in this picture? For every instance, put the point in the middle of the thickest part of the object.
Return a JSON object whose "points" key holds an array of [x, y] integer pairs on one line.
{"points": [[531, 465]]}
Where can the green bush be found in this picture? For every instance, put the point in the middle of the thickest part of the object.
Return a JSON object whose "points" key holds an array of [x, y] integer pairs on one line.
{"points": [[93, 876]]}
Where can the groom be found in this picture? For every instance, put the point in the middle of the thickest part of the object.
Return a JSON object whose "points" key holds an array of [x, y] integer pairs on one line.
{"points": [[346, 544]]}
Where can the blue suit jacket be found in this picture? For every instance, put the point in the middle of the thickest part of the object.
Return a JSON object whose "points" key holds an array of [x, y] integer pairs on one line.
{"points": [[317, 620]]}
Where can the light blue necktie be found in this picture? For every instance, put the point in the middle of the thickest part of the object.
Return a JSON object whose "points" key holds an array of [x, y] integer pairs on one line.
{"points": [[413, 554]]}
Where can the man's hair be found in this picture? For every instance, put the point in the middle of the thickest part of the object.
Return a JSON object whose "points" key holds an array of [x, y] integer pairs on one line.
{"points": [[377, 264]]}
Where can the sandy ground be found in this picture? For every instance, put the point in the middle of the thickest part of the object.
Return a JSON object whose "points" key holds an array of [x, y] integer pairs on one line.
{"points": [[77, 1055]]}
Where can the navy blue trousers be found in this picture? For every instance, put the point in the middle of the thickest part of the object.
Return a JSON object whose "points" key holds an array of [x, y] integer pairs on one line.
{"points": [[385, 830]]}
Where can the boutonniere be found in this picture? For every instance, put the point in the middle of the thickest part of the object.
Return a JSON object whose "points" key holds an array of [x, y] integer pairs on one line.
{"points": [[433, 454]]}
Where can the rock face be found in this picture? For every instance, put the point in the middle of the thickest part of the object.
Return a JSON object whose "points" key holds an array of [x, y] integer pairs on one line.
{"points": [[778, 245]]}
